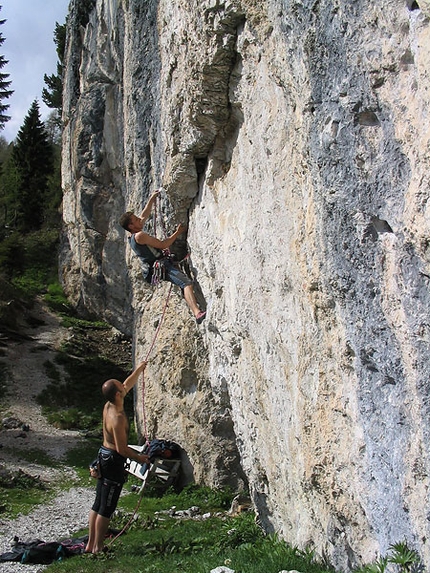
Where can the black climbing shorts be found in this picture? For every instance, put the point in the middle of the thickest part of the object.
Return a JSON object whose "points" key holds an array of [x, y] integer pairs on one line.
{"points": [[107, 496], [109, 485]]}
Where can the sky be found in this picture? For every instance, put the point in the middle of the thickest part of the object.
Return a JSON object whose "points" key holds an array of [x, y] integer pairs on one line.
{"points": [[30, 50]]}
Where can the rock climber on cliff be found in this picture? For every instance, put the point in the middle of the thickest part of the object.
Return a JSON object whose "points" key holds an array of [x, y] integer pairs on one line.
{"points": [[149, 249]]}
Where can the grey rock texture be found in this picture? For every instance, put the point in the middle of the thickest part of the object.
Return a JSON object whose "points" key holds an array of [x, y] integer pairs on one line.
{"points": [[292, 137]]}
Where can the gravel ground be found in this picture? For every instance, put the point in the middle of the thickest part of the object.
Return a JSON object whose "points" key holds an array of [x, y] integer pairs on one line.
{"points": [[58, 520]]}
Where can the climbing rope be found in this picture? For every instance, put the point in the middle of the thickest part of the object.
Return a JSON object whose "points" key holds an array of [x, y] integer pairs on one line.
{"points": [[151, 348], [127, 525], [156, 215], [145, 430]]}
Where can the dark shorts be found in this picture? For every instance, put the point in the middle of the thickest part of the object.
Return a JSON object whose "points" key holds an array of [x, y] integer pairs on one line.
{"points": [[177, 277], [107, 496], [109, 486]]}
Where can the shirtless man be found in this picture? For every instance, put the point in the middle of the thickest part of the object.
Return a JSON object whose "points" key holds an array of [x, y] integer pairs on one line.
{"points": [[149, 250], [112, 457]]}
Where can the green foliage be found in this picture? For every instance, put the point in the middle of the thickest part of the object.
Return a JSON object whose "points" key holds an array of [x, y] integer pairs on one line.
{"points": [[240, 531], [35, 455], [402, 556], [77, 402], [72, 419], [35, 259], [40, 247], [20, 479], [156, 542], [78, 347], [19, 491], [30, 197], [33, 155], [52, 94], [27, 265], [404, 559], [12, 304], [54, 192], [12, 255], [57, 301], [81, 456], [10, 181], [206, 497], [378, 566], [17, 500]]}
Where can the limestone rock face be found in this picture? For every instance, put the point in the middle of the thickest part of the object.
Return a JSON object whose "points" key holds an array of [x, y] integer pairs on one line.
{"points": [[293, 138]]}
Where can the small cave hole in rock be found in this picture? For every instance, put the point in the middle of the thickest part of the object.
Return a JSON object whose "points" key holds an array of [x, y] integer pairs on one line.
{"points": [[412, 5], [201, 164], [367, 118]]}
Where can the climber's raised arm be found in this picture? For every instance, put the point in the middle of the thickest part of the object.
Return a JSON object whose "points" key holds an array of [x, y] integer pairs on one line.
{"points": [[144, 216]]}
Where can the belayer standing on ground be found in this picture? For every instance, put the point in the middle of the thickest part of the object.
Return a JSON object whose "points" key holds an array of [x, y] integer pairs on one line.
{"points": [[149, 249], [112, 457]]}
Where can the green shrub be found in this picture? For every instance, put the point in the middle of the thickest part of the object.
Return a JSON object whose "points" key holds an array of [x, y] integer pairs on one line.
{"points": [[240, 531], [56, 299], [12, 258]]}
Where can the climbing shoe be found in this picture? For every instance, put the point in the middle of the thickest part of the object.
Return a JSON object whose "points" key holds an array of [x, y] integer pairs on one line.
{"points": [[201, 316]]}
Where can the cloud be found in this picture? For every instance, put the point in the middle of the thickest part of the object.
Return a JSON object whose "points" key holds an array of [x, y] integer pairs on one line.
{"points": [[31, 53]]}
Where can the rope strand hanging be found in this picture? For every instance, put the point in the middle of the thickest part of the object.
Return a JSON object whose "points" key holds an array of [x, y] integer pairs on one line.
{"points": [[151, 348], [144, 420]]}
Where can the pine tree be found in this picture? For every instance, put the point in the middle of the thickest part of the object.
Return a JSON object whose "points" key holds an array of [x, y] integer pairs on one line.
{"points": [[9, 184], [5, 92], [34, 159], [52, 95]]}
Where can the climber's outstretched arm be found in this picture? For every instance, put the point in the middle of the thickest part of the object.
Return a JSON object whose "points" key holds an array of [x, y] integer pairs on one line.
{"points": [[148, 207], [144, 239]]}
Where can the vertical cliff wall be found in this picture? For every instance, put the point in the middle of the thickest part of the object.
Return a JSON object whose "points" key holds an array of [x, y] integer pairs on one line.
{"points": [[292, 137]]}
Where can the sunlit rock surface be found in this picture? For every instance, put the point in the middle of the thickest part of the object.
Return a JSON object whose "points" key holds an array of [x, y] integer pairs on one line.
{"points": [[293, 139]]}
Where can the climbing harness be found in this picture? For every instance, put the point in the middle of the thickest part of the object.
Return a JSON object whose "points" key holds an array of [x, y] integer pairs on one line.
{"points": [[159, 269]]}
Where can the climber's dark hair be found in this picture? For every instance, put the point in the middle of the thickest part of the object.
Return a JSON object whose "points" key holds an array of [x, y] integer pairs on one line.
{"points": [[124, 220]]}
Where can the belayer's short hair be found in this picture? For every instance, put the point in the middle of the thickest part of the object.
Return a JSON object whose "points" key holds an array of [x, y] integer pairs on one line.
{"points": [[109, 390], [124, 220]]}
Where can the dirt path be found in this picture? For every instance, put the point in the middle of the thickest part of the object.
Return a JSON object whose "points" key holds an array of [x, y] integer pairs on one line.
{"points": [[25, 359]]}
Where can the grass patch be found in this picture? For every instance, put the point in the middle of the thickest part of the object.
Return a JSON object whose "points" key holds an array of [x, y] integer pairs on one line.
{"points": [[80, 458], [158, 542], [19, 492], [56, 299], [34, 266], [69, 321], [21, 501], [34, 456], [77, 402]]}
